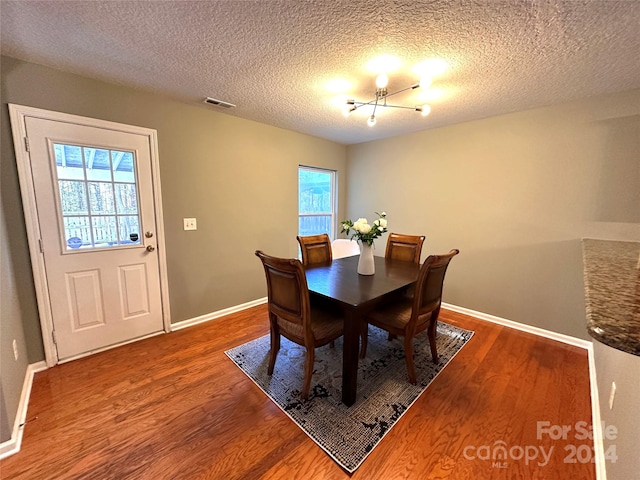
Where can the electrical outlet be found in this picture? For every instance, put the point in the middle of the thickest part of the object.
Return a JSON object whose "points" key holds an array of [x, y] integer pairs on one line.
{"points": [[15, 349], [612, 395], [190, 224]]}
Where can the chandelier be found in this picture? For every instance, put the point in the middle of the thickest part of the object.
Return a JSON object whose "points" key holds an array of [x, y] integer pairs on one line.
{"points": [[381, 96]]}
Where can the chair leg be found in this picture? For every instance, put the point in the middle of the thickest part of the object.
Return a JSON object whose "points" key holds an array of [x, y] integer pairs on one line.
{"points": [[408, 357], [308, 371], [431, 332], [364, 337], [275, 347]]}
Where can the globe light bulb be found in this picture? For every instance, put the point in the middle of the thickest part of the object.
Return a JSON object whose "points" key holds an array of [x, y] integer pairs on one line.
{"points": [[371, 121], [382, 80], [425, 82], [426, 110]]}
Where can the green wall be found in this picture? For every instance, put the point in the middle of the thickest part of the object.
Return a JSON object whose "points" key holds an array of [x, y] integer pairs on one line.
{"points": [[515, 194], [237, 177]]}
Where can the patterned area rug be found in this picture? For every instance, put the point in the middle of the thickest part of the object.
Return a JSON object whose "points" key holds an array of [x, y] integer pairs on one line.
{"points": [[348, 434]]}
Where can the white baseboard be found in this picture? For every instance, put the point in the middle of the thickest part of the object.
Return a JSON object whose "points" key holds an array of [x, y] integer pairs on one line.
{"points": [[598, 438], [12, 445], [560, 337], [213, 315], [598, 444]]}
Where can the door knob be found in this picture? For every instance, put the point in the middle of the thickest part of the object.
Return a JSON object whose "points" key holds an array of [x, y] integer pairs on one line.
{"points": [[150, 248]]}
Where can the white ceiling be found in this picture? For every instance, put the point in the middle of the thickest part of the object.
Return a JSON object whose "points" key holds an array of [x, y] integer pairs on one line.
{"points": [[275, 59]]}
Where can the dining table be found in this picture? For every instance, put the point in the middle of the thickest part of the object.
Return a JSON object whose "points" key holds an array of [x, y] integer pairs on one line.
{"points": [[339, 285]]}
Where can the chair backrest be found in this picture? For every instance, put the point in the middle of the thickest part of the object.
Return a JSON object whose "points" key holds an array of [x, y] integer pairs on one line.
{"points": [[316, 249], [343, 247], [287, 292], [404, 247], [428, 292]]}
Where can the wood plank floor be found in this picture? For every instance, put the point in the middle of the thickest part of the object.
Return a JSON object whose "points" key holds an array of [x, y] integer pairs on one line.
{"points": [[175, 407]]}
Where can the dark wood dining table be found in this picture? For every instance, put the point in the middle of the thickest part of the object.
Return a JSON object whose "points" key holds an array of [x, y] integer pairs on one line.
{"points": [[340, 285]]}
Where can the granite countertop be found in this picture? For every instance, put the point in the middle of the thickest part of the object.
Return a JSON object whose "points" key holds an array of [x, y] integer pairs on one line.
{"points": [[612, 290]]}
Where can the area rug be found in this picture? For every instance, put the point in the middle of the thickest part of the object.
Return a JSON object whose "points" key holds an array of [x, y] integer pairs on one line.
{"points": [[348, 434]]}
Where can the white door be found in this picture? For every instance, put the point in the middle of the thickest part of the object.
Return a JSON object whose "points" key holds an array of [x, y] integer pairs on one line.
{"points": [[95, 206]]}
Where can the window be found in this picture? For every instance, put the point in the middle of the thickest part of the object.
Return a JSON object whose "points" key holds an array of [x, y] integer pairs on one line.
{"points": [[98, 196], [316, 201]]}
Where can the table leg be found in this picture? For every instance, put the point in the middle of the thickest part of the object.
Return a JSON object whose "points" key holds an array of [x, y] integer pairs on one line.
{"points": [[350, 356]]}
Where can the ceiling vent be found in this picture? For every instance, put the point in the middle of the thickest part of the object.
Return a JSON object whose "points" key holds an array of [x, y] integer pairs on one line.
{"points": [[218, 103]]}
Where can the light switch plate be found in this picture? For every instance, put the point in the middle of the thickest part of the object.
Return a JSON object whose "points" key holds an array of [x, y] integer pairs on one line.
{"points": [[190, 224]]}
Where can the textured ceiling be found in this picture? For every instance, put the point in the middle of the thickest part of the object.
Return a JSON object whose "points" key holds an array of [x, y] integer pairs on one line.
{"points": [[279, 60]]}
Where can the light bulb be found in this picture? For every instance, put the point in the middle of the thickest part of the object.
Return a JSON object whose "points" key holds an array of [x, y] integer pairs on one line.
{"points": [[425, 82], [349, 107], [426, 110], [382, 80], [371, 121]]}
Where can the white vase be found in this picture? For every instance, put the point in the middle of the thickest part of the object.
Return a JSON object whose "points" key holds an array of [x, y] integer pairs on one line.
{"points": [[366, 265]]}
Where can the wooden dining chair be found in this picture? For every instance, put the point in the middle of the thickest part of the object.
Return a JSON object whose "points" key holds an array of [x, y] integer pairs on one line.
{"points": [[407, 248], [404, 247], [291, 313], [406, 317], [316, 249]]}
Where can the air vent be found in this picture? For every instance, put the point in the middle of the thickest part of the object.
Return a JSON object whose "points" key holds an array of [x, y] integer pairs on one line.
{"points": [[218, 103]]}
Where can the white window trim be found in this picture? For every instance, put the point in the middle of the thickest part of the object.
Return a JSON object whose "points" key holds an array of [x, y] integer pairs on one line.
{"points": [[334, 198]]}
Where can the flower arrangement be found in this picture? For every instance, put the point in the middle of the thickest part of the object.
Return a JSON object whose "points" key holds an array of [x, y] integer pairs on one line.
{"points": [[364, 232]]}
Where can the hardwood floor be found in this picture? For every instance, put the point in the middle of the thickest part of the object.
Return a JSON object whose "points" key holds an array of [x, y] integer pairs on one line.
{"points": [[175, 407]]}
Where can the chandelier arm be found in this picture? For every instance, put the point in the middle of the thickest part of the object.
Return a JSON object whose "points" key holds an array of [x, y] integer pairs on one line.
{"points": [[373, 114], [410, 87], [399, 106], [362, 104]]}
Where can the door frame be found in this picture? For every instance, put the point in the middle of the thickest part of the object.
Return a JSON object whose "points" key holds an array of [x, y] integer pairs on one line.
{"points": [[18, 114]]}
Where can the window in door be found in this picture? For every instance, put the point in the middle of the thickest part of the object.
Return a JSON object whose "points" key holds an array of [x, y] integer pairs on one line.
{"points": [[316, 201], [97, 197]]}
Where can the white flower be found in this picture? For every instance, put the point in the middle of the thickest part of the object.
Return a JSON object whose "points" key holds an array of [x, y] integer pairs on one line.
{"points": [[364, 232], [359, 225]]}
